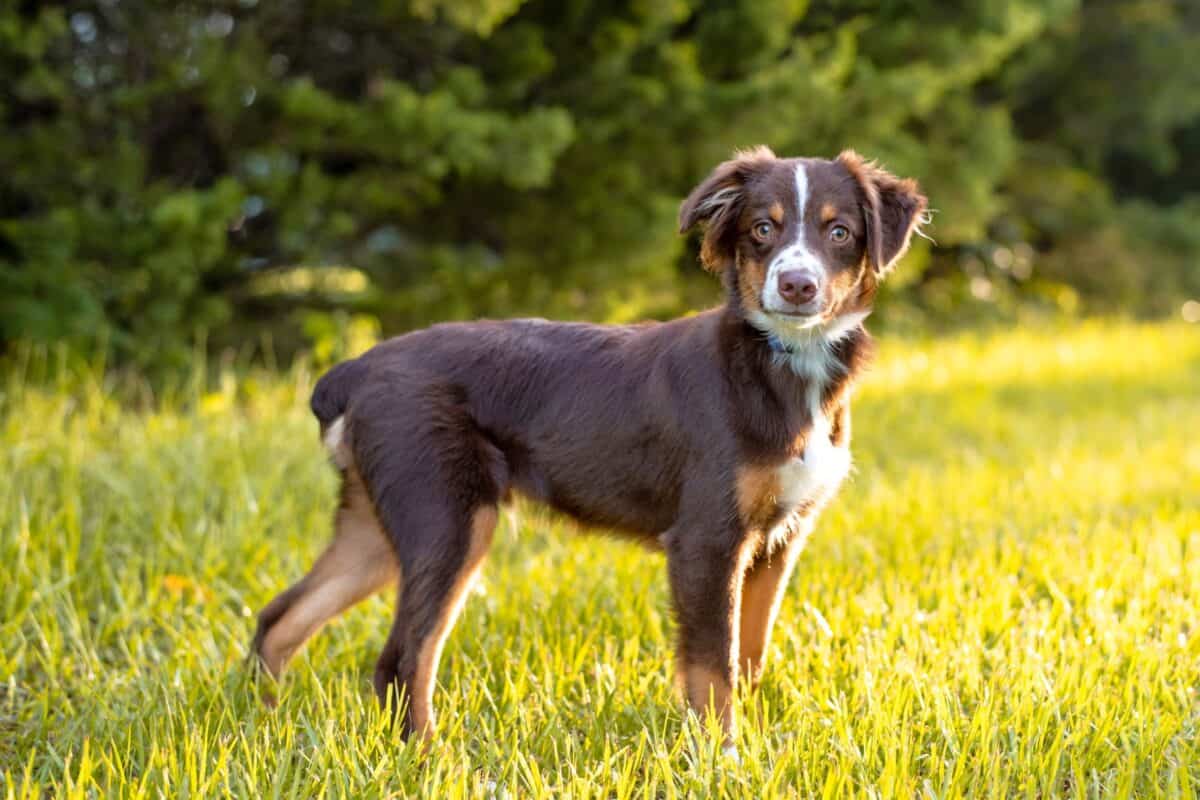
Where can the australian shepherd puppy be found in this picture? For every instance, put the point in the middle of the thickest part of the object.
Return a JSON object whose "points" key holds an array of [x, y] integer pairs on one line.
{"points": [[716, 438]]}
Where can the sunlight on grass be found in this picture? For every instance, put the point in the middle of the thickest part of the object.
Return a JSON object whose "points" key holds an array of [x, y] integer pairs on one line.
{"points": [[1003, 601]]}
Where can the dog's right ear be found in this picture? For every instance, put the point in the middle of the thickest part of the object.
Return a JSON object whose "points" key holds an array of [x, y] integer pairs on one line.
{"points": [[895, 210], [717, 202]]}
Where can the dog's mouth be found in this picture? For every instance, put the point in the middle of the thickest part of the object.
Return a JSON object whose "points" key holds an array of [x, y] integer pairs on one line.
{"points": [[799, 319], [803, 314]]}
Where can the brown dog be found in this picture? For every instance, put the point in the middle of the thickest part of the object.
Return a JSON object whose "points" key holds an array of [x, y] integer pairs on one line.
{"points": [[716, 438]]}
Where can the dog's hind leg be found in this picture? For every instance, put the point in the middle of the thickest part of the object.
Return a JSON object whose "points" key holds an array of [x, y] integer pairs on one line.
{"points": [[436, 480], [438, 579], [358, 562]]}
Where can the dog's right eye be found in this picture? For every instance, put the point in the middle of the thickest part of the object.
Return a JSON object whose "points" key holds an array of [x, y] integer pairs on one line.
{"points": [[763, 231]]}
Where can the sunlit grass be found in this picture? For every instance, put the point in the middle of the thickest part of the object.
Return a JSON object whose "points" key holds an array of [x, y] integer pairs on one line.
{"points": [[1004, 601]]}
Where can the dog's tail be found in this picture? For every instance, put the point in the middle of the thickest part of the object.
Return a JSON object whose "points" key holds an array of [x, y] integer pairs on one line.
{"points": [[332, 393]]}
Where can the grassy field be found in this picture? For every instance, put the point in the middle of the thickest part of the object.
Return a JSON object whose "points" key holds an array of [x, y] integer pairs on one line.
{"points": [[1004, 601]]}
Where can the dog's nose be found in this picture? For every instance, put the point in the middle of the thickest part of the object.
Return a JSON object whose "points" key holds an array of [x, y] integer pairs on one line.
{"points": [[797, 287]]}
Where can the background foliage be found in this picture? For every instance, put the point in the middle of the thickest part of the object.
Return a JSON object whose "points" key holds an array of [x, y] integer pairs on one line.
{"points": [[252, 168]]}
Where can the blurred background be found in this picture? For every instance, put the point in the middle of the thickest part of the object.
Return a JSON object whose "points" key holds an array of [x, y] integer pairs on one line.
{"points": [[282, 177]]}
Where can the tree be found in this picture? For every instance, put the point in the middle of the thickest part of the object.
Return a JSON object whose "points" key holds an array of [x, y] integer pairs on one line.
{"points": [[221, 165]]}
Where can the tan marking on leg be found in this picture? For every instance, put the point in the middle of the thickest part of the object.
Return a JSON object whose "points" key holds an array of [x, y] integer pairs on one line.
{"points": [[706, 685], [358, 562], [709, 687], [762, 594], [483, 525]]}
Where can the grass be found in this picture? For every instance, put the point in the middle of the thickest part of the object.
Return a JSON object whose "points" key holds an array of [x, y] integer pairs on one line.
{"points": [[1002, 602]]}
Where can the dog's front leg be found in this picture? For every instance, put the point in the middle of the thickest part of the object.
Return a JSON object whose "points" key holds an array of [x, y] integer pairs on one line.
{"points": [[706, 568]]}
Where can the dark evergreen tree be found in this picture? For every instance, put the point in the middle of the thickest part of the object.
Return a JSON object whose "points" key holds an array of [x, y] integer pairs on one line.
{"points": [[220, 165]]}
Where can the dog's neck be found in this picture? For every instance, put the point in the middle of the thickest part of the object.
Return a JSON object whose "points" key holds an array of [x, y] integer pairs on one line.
{"points": [[818, 354], [782, 385]]}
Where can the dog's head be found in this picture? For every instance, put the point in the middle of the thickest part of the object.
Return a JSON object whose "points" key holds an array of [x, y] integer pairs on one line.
{"points": [[804, 241]]}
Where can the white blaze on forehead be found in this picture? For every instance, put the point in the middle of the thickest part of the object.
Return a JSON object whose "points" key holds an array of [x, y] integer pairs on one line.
{"points": [[797, 249], [801, 200], [797, 255]]}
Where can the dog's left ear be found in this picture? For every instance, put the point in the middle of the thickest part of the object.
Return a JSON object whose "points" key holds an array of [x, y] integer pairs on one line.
{"points": [[717, 202], [894, 209]]}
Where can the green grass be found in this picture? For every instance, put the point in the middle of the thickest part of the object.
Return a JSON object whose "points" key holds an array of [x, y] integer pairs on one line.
{"points": [[1003, 601]]}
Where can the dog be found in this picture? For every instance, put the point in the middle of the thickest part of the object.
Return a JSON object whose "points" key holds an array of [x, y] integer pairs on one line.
{"points": [[715, 438]]}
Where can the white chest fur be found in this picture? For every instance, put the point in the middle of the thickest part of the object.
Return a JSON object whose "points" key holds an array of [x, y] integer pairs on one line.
{"points": [[816, 475]]}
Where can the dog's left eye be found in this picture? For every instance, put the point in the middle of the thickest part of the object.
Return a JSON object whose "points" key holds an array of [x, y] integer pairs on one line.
{"points": [[840, 234], [763, 231]]}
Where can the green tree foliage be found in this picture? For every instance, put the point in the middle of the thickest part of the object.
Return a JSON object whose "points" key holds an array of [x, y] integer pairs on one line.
{"points": [[241, 165]]}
